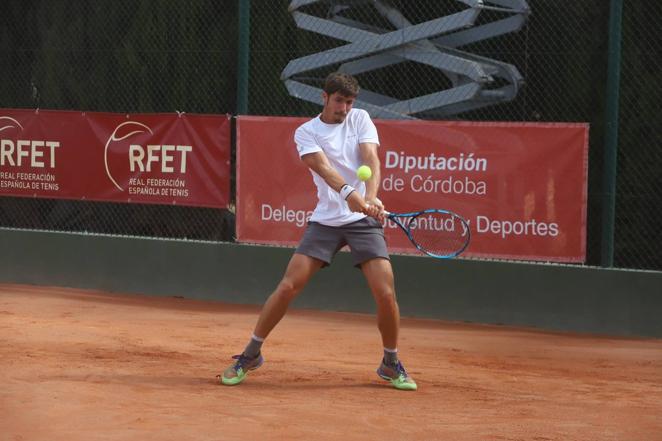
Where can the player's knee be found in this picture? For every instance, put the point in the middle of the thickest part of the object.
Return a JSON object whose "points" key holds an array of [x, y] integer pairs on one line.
{"points": [[288, 289], [385, 296]]}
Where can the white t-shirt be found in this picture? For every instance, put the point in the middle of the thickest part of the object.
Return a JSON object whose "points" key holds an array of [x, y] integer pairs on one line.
{"points": [[340, 144]]}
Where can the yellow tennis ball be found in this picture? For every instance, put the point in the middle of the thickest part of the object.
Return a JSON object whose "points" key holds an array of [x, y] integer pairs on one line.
{"points": [[364, 172]]}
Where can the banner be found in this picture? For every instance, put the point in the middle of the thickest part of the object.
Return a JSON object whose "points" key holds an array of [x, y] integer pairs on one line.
{"points": [[521, 186], [144, 158]]}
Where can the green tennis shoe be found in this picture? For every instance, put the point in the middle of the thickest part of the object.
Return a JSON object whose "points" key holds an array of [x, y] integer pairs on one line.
{"points": [[397, 376], [236, 373]]}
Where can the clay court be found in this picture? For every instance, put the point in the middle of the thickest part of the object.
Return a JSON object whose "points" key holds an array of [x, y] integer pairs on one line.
{"points": [[86, 365]]}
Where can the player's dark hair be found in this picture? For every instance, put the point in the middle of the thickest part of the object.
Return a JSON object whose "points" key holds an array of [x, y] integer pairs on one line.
{"points": [[343, 83]]}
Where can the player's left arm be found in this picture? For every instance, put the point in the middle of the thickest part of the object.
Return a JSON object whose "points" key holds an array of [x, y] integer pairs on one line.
{"points": [[319, 163], [369, 157]]}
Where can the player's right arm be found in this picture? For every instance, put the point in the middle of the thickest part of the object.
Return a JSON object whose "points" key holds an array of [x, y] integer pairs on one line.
{"points": [[313, 156], [319, 163]]}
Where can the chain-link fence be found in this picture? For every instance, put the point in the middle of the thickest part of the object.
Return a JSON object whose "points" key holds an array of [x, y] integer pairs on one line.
{"points": [[130, 56], [192, 223], [638, 232], [561, 53], [547, 63]]}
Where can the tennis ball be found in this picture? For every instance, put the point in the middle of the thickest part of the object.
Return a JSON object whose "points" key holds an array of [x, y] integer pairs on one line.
{"points": [[364, 172]]}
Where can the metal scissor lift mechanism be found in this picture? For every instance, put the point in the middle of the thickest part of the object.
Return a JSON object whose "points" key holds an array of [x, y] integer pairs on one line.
{"points": [[476, 81]]}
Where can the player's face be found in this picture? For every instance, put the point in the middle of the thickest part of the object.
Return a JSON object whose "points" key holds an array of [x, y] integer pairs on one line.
{"points": [[336, 107]]}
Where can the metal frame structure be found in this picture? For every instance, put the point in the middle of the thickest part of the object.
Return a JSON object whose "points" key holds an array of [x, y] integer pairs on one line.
{"points": [[476, 81]]}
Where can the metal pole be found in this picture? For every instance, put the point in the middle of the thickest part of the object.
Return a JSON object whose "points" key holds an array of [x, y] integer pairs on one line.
{"points": [[611, 134], [243, 56]]}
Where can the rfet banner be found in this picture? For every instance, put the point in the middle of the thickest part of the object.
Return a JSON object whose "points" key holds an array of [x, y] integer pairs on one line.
{"points": [[143, 158], [521, 186]]}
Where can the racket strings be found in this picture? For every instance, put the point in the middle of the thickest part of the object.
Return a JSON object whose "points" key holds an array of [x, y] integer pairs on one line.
{"points": [[441, 234]]}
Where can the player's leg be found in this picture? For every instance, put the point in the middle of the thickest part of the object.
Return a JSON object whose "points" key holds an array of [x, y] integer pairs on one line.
{"points": [[299, 271], [368, 246], [317, 248], [379, 274], [366, 240]]}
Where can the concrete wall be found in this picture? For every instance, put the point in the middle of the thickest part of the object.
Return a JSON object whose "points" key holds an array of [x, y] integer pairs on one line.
{"points": [[555, 297]]}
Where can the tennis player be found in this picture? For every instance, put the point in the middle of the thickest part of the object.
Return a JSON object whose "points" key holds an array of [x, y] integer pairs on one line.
{"points": [[333, 145]]}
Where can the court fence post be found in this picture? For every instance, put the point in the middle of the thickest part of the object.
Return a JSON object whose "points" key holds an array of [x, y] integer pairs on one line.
{"points": [[243, 56], [611, 134]]}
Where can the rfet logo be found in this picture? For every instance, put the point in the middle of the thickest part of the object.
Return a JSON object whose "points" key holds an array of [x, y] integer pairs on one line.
{"points": [[15, 152], [7, 122], [132, 151]]}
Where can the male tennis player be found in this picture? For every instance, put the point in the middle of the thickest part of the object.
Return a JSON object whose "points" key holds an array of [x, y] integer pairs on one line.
{"points": [[333, 145]]}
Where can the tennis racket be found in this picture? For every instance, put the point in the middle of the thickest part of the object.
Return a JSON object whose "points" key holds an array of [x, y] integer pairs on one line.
{"points": [[438, 233]]}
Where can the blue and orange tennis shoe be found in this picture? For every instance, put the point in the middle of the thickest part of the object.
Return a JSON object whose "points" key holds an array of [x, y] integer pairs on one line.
{"points": [[397, 375], [236, 373]]}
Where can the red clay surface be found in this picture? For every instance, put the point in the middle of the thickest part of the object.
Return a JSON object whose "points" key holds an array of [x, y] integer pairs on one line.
{"points": [[82, 365]]}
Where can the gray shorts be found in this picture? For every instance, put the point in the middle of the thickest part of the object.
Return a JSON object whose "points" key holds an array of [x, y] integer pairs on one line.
{"points": [[364, 237]]}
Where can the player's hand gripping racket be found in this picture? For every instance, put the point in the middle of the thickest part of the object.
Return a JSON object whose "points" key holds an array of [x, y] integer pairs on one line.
{"points": [[438, 233]]}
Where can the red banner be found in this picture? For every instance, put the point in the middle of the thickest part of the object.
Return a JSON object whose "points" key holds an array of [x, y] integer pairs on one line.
{"points": [[521, 186], [145, 158]]}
